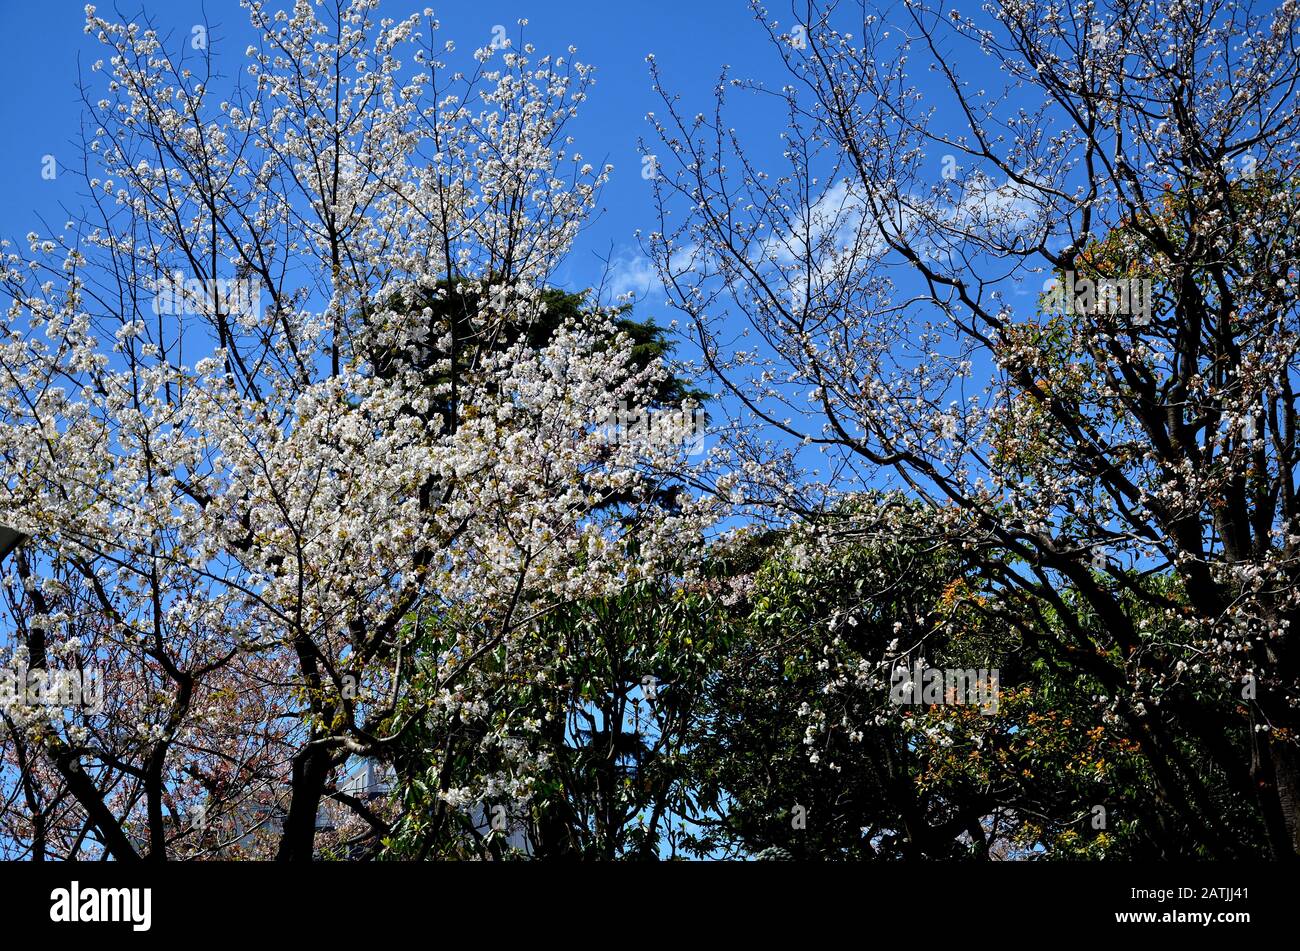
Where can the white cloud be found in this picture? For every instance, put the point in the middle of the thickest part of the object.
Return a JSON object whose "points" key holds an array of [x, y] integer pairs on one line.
{"points": [[631, 273]]}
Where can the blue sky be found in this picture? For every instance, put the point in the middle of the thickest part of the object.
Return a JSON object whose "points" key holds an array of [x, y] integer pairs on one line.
{"points": [[40, 44]]}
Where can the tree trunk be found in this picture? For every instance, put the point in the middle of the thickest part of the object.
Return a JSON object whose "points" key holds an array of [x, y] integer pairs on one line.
{"points": [[311, 767], [1284, 766]]}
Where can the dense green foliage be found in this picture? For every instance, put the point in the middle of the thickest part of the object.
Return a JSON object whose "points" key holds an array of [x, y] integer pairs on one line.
{"points": [[773, 731]]}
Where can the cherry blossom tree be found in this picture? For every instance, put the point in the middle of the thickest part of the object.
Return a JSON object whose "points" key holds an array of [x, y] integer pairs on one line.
{"points": [[1035, 264], [268, 410]]}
